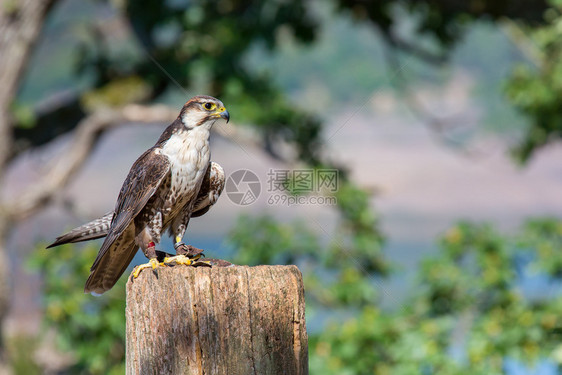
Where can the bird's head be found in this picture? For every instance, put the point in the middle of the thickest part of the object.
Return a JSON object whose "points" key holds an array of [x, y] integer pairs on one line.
{"points": [[204, 111]]}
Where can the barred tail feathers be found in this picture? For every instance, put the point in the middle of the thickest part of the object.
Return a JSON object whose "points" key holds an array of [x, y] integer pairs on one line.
{"points": [[97, 228]]}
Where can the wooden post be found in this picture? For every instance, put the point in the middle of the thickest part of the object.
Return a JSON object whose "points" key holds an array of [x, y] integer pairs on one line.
{"points": [[220, 320]]}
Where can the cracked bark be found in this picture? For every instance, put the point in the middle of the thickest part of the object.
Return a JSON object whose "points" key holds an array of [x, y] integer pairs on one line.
{"points": [[220, 320]]}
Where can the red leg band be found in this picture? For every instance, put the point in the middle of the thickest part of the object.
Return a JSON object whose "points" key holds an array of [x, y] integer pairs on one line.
{"points": [[151, 244]]}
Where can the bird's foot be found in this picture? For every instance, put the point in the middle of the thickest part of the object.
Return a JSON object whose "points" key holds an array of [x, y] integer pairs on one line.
{"points": [[152, 263], [188, 250], [187, 261]]}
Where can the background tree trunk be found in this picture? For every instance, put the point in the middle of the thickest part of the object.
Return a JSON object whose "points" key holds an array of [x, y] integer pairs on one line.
{"points": [[20, 25], [220, 320]]}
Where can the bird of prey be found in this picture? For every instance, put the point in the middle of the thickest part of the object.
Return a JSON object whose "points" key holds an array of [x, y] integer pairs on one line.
{"points": [[211, 189], [171, 182]]}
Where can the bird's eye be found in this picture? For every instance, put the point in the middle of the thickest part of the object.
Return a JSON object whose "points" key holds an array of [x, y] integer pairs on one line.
{"points": [[209, 106]]}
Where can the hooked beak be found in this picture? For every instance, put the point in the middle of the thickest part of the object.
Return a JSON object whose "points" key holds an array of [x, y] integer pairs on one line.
{"points": [[225, 115]]}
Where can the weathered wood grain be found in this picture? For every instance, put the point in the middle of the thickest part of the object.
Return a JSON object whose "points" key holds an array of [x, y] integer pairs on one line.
{"points": [[220, 320]]}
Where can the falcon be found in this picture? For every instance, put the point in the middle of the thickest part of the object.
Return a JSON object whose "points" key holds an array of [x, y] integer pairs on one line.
{"points": [[170, 183]]}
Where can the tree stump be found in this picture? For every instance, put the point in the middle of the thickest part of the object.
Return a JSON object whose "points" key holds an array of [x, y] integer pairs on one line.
{"points": [[221, 320]]}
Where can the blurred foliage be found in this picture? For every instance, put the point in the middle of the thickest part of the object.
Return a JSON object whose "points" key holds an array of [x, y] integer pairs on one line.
{"points": [[360, 238], [92, 329], [545, 237], [262, 240], [355, 247], [443, 20], [21, 349], [116, 94], [202, 45], [470, 319], [537, 90]]}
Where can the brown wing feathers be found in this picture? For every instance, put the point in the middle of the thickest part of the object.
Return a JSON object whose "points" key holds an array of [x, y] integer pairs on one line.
{"points": [[142, 182]]}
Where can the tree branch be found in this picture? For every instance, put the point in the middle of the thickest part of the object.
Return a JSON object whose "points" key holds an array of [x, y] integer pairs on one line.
{"points": [[425, 55], [522, 41], [442, 127], [84, 138]]}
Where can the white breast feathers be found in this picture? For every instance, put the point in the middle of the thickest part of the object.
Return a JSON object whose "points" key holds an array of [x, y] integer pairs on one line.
{"points": [[189, 155]]}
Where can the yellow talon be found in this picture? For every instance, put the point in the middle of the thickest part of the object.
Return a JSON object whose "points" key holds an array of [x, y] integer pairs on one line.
{"points": [[151, 263], [180, 259]]}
